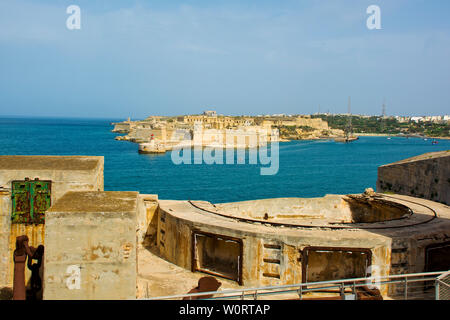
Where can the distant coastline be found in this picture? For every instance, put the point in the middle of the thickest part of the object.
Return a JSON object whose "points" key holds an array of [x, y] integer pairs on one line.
{"points": [[307, 165], [397, 135]]}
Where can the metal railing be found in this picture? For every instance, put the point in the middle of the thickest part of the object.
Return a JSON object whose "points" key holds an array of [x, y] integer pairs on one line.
{"points": [[414, 286], [443, 286]]}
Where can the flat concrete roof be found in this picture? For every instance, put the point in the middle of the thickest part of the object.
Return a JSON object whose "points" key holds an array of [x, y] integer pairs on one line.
{"points": [[425, 156], [49, 162], [95, 201]]}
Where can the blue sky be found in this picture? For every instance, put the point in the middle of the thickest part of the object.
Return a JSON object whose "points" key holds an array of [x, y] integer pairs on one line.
{"points": [[137, 58]]}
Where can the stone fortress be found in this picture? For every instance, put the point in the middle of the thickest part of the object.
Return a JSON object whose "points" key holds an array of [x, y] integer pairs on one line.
{"points": [[160, 134], [126, 245]]}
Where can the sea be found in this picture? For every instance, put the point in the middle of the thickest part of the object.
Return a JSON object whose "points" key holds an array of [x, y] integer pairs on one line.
{"points": [[306, 168]]}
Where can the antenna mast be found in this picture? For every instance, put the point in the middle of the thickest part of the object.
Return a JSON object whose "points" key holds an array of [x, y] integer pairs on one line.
{"points": [[383, 116], [349, 124]]}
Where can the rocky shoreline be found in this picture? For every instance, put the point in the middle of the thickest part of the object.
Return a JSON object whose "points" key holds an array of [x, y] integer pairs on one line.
{"points": [[399, 135]]}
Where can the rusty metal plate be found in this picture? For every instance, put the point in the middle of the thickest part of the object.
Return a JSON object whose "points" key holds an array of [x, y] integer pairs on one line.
{"points": [[334, 263], [217, 255]]}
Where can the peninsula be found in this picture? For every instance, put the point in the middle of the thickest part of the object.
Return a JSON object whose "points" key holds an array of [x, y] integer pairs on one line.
{"points": [[158, 134]]}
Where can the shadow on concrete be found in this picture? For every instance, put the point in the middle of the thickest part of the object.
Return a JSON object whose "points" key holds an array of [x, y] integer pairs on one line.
{"points": [[6, 293]]}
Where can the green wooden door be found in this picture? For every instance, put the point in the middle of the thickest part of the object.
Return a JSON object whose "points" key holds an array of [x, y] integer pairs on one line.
{"points": [[20, 202], [30, 200]]}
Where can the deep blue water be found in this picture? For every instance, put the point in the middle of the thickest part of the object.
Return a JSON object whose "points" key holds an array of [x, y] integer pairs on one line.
{"points": [[307, 168]]}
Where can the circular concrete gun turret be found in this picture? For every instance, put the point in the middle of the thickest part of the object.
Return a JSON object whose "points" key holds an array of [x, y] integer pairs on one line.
{"points": [[292, 240]]}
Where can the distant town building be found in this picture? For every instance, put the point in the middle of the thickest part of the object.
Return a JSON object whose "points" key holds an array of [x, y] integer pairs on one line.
{"points": [[433, 119], [210, 113], [402, 119]]}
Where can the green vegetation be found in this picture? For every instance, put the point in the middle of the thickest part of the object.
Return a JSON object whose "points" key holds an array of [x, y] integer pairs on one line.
{"points": [[290, 132], [389, 125], [288, 129], [306, 128]]}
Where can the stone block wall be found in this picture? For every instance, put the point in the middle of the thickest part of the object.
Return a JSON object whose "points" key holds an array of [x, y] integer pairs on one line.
{"points": [[426, 176]]}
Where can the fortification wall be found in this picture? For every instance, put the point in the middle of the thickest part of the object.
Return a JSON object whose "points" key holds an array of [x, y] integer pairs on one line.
{"points": [[313, 123], [123, 127], [426, 176]]}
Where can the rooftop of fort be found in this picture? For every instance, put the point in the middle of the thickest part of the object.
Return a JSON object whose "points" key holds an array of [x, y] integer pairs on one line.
{"points": [[49, 162], [92, 202], [425, 156]]}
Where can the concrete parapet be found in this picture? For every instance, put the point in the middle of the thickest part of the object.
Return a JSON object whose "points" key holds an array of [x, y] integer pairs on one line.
{"points": [[426, 176], [91, 246], [67, 173]]}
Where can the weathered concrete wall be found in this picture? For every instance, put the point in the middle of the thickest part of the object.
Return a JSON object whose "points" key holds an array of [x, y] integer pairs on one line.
{"points": [[426, 176], [366, 209], [274, 255], [5, 226], [329, 207], [67, 173], [351, 208], [147, 216], [95, 233], [271, 256], [174, 240]]}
